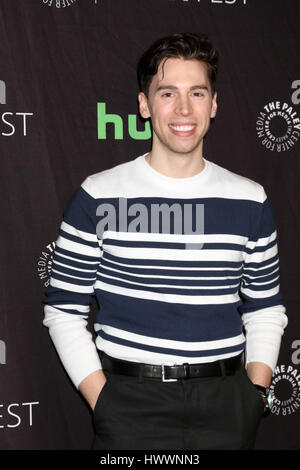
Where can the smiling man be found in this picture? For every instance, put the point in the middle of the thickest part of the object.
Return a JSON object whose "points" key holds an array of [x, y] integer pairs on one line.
{"points": [[180, 103], [189, 325]]}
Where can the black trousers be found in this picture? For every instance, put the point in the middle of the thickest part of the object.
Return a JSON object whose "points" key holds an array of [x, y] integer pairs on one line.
{"points": [[218, 413]]}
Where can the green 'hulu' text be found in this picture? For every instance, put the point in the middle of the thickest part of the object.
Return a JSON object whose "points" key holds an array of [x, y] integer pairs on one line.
{"points": [[117, 121]]}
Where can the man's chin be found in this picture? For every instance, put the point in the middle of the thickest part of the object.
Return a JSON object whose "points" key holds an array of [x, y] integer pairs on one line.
{"points": [[179, 148], [184, 150]]}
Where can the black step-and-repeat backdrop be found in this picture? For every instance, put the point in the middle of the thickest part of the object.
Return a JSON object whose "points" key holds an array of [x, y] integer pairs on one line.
{"points": [[68, 109]]}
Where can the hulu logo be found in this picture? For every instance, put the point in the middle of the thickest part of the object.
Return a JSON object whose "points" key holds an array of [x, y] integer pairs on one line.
{"points": [[117, 121]]}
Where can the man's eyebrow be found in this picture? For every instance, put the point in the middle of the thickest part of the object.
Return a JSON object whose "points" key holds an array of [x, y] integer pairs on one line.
{"points": [[173, 87]]}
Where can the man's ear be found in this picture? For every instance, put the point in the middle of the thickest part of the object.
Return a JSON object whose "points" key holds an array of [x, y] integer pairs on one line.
{"points": [[143, 105], [214, 106]]}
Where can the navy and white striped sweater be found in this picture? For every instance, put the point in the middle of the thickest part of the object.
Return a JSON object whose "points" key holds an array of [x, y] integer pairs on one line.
{"points": [[161, 301]]}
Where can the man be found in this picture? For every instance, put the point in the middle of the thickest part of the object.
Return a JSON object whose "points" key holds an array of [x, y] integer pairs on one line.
{"points": [[182, 257]]}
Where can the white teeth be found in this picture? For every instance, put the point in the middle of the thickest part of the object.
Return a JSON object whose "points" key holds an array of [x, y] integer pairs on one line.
{"points": [[182, 128]]}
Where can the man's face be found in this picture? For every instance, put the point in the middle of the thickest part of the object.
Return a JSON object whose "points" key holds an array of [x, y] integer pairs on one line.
{"points": [[180, 105]]}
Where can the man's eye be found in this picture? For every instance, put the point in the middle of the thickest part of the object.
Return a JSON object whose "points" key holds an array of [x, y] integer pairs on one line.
{"points": [[198, 93], [168, 94]]}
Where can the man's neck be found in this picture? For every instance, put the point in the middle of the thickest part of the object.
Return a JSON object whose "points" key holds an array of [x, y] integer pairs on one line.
{"points": [[176, 165]]}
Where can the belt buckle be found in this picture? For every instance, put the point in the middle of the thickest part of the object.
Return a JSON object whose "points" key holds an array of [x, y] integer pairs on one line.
{"points": [[163, 374]]}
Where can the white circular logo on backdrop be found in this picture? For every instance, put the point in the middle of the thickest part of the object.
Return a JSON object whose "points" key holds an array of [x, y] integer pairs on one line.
{"points": [[59, 3], [278, 126], [285, 387], [45, 263]]}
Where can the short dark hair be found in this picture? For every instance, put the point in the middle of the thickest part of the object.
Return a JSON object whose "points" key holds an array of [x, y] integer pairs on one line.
{"points": [[188, 46]]}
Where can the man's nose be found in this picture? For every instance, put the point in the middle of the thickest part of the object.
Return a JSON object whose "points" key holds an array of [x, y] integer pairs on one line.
{"points": [[183, 105]]}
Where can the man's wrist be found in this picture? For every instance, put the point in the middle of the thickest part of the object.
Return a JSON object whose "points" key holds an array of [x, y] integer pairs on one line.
{"points": [[91, 386], [259, 373], [266, 397]]}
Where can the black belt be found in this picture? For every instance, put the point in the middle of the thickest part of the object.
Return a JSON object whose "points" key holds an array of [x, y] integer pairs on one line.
{"points": [[170, 373]]}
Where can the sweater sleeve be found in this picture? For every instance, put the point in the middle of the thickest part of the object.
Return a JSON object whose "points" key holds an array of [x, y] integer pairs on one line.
{"points": [[262, 309], [70, 292]]}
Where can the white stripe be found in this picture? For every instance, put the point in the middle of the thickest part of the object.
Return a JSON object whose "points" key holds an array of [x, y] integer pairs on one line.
{"points": [[168, 343], [71, 287], [172, 298], [113, 183], [73, 268], [63, 317], [77, 247], [262, 241], [180, 238], [261, 283], [73, 277], [246, 276], [80, 308], [77, 259], [127, 353], [179, 268], [91, 237], [169, 285], [173, 254], [246, 268], [261, 255]]}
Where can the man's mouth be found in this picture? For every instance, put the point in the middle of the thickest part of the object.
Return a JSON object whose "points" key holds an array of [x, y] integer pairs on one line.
{"points": [[184, 130]]}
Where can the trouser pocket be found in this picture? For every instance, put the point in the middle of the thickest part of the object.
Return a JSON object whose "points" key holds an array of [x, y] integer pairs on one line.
{"points": [[102, 400], [253, 392]]}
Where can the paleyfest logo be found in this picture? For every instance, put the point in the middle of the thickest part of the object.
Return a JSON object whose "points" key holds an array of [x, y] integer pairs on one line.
{"points": [[10, 122], [278, 125], [285, 388], [59, 3], [45, 263], [285, 385]]}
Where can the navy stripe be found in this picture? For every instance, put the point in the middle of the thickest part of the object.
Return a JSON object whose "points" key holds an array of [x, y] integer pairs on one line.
{"points": [[55, 295], [261, 248], [261, 280], [75, 264], [69, 280], [78, 239], [261, 272], [176, 282], [72, 272], [265, 287], [252, 304], [170, 245], [261, 264], [176, 321], [173, 272], [175, 263], [81, 211], [76, 255]]}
